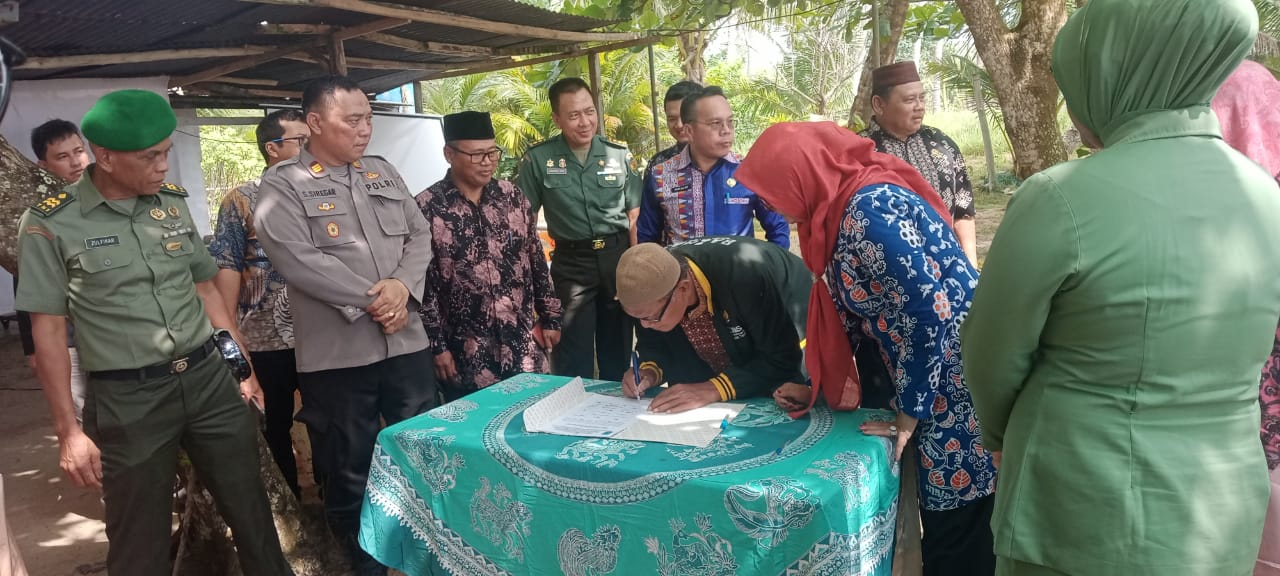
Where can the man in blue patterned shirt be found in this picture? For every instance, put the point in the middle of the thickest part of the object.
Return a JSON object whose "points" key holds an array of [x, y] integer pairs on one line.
{"points": [[693, 194], [255, 293]]}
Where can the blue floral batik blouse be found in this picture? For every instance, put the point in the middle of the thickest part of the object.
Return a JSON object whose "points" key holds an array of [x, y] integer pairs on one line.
{"points": [[898, 276]]}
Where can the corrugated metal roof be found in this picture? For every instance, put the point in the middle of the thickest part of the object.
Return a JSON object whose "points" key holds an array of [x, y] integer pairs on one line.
{"points": [[60, 28]]}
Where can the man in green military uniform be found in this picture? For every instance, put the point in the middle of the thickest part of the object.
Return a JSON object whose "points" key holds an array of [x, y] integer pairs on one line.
{"points": [[591, 195], [119, 254]]}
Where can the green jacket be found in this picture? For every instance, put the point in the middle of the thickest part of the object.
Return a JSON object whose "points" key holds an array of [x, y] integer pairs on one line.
{"points": [[123, 271], [759, 299], [581, 201], [1116, 339]]}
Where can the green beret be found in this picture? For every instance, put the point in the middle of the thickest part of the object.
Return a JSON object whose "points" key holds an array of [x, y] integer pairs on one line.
{"points": [[128, 120]]}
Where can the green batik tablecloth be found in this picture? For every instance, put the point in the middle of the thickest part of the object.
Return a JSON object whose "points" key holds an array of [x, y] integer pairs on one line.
{"points": [[463, 490]]}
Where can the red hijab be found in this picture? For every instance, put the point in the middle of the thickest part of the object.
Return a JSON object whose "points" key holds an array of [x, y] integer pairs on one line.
{"points": [[810, 171]]}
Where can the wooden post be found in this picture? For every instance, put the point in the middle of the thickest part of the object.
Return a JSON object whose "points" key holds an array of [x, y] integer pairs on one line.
{"points": [[593, 66], [417, 97], [337, 57], [980, 107], [653, 103]]}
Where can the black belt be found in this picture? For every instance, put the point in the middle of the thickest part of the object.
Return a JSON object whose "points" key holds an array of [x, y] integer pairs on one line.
{"points": [[609, 241], [160, 370]]}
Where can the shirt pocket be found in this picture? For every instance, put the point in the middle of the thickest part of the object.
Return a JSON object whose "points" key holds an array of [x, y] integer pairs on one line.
{"points": [[329, 223], [556, 181], [389, 209], [177, 246], [104, 259], [610, 178]]}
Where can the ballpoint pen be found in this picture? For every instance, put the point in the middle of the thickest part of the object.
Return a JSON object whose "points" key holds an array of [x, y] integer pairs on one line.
{"points": [[635, 371]]}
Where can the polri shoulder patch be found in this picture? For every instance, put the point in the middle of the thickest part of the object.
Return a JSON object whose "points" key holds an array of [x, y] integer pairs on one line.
{"points": [[52, 203], [174, 189]]}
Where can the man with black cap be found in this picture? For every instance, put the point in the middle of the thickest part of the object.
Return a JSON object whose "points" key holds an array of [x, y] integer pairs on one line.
{"points": [[897, 128], [489, 308], [342, 229], [118, 253], [721, 317]]}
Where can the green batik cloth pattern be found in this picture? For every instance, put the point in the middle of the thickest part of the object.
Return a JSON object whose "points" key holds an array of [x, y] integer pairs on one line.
{"points": [[463, 490]]}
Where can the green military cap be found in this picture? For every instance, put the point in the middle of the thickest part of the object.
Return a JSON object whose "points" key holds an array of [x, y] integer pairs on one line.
{"points": [[128, 120]]}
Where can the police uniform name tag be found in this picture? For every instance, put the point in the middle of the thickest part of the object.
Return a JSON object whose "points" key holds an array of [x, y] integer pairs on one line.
{"points": [[101, 241], [329, 193]]}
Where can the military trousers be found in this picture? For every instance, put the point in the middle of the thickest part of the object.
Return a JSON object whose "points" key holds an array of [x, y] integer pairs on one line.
{"points": [[595, 332], [341, 409], [139, 425]]}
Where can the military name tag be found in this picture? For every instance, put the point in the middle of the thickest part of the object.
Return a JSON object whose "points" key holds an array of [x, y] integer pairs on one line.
{"points": [[557, 171], [611, 178], [101, 241]]}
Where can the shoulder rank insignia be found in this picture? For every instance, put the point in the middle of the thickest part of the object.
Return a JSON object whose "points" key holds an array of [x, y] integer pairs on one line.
{"points": [[52, 203], [174, 189]]}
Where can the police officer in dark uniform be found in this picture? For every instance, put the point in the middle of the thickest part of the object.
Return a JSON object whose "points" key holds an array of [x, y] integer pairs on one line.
{"points": [[118, 253], [590, 193]]}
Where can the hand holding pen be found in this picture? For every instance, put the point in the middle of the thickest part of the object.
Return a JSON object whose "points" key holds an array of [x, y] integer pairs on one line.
{"points": [[635, 381]]}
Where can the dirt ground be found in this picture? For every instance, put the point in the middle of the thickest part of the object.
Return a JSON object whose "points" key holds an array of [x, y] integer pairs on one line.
{"points": [[59, 528]]}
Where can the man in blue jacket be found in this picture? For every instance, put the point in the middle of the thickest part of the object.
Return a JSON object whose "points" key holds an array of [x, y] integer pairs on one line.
{"points": [[694, 194]]}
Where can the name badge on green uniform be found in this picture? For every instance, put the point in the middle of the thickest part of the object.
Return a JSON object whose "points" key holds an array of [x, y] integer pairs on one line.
{"points": [[557, 171], [101, 241]]}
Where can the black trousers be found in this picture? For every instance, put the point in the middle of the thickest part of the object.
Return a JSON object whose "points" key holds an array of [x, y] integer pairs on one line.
{"points": [[341, 409], [595, 330], [139, 426], [277, 373], [959, 542]]}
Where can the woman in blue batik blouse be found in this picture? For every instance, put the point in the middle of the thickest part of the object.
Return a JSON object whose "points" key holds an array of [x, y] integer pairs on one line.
{"points": [[895, 272]]}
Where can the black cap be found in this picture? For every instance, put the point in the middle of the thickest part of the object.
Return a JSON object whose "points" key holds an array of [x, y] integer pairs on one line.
{"points": [[468, 126]]}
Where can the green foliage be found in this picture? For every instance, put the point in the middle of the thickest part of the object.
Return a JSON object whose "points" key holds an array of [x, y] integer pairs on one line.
{"points": [[229, 156], [517, 101]]}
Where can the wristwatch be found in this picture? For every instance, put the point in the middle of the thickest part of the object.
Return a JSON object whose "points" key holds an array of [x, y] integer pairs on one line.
{"points": [[232, 354]]}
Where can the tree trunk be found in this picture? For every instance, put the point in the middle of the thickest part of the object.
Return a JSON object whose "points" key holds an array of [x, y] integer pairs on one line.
{"points": [[21, 184], [307, 543], [693, 63], [888, 52], [1019, 61]]}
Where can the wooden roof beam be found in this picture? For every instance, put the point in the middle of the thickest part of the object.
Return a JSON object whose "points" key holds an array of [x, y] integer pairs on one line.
{"points": [[376, 64], [462, 69], [223, 89], [248, 81], [428, 16], [251, 61], [53, 62], [443, 48], [296, 29]]}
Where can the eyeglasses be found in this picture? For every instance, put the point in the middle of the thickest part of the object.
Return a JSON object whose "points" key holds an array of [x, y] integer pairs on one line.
{"points": [[656, 319], [493, 156], [300, 140], [717, 125]]}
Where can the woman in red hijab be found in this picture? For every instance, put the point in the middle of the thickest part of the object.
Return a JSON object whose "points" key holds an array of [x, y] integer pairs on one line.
{"points": [[894, 270]]}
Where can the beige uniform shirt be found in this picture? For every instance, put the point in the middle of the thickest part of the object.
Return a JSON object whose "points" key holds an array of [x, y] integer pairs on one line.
{"points": [[124, 271], [333, 236]]}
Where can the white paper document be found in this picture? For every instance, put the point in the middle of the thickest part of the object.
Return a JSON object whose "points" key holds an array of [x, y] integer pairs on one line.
{"points": [[572, 411]]}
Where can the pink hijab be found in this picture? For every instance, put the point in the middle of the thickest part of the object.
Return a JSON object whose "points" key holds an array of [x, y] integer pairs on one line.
{"points": [[1248, 106]]}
